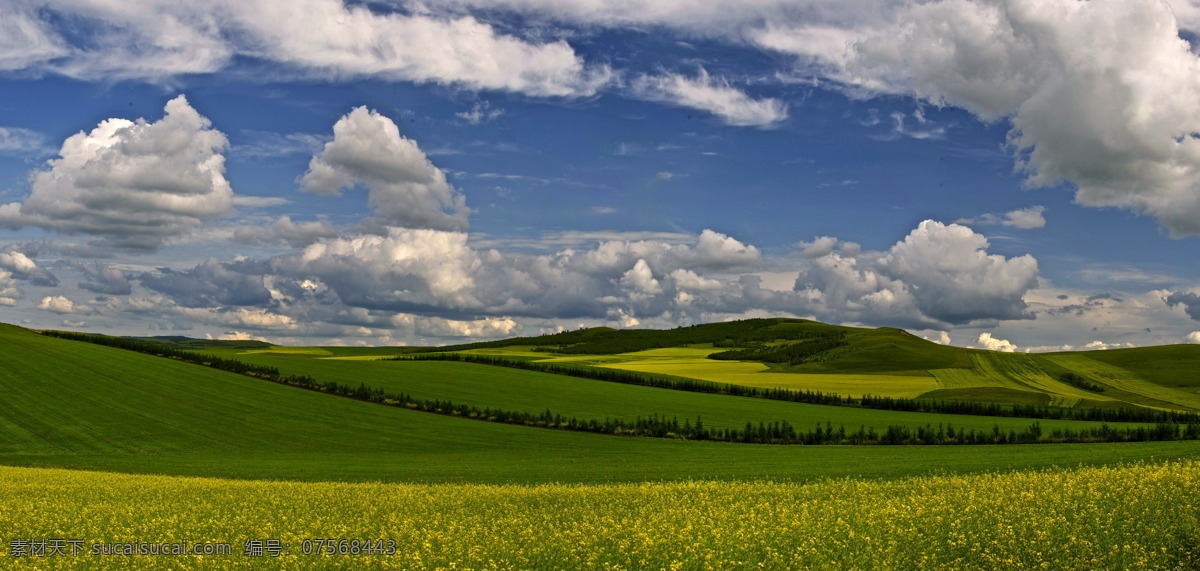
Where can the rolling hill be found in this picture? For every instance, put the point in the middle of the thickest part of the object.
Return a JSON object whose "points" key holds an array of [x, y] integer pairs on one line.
{"points": [[79, 405]]}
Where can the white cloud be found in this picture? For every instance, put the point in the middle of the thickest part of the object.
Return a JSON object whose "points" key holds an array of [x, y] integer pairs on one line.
{"points": [[938, 276], [992, 344], [407, 268], [157, 40], [405, 188], [1193, 337], [1026, 218], [691, 281], [1102, 346], [480, 113], [240, 336], [1023, 218], [714, 95], [328, 37], [1102, 94], [285, 231], [24, 40], [248, 317], [133, 184], [639, 281], [19, 141], [952, 277], [259, 201], [9, 294], [62, 305], [17, 262], [820, 246]]}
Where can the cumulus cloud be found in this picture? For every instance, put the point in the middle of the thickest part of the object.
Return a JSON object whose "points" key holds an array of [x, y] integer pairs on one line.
{"points": [[711, 94], [1103, 94], [953, 278], [992, 344], [819, 246], [405, 188], [22, 267], [938, 276], [131, 184], [248, 317], [62, 305], [406, 270], [16, 261], [1026, 218], [1193, 337]]}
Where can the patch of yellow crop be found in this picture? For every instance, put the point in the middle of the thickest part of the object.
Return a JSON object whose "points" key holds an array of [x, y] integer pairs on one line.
{"points": [[1131, 517]]}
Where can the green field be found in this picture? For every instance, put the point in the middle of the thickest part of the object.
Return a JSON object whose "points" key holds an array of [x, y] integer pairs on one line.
{"points": [[74, 404], [531, 391], [470, 493], [883, 362]]}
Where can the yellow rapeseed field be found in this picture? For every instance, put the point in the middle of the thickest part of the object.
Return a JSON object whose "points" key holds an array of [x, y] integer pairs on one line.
{"points": [[1128, 517]]}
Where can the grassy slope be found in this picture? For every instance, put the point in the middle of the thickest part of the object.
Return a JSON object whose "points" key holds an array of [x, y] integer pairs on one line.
{"points": [[515, 389], [884, 361], [72, 404], [1175, 366]]}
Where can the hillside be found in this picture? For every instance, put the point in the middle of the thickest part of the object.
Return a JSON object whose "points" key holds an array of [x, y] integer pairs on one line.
{"points": [[74, 404], [803, 354]]}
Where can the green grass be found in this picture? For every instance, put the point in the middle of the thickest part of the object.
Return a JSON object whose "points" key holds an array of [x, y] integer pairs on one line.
{"points": [[883, 362], [531, 391], [1175, 366], [78, 405], [1124, 382]]}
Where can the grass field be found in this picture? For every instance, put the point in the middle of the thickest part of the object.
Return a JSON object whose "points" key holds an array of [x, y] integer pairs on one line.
{"points": [[1127, 517], [530, 391], [290, 464], [73, 404], [890, 362], [1123, 380]]}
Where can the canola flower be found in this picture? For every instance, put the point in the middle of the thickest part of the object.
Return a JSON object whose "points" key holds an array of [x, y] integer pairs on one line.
{"points": [[1142, 516]]}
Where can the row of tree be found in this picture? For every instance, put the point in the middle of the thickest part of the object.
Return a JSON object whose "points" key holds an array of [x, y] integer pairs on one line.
{"points": [[818, 397]]}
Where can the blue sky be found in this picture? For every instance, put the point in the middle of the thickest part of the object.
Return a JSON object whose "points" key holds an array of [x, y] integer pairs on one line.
{"points": [[1009, 174]]}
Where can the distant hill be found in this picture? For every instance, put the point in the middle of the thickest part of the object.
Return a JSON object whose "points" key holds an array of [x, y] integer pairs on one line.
{"points": [[1166, 377]]}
